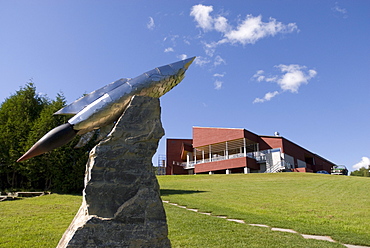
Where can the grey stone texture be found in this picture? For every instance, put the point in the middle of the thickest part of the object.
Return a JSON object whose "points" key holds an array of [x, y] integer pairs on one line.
{"points": [[121, 202]]}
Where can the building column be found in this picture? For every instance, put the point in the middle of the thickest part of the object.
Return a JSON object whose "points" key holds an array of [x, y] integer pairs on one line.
{"points": [[226, 151], [210, 153], [245, 147], [246, 170], [228, 171], [195, 155], [211, 173]]}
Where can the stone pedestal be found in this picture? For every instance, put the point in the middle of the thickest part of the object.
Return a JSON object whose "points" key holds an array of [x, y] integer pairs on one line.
{"points": [[121, 203]]}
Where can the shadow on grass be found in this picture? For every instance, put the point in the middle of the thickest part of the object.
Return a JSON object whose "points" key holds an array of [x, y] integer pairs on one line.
{"points": [[12, 199], [165, 192]]}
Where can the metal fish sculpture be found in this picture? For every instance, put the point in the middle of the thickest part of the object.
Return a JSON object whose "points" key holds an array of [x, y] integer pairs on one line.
{"points": [[104, 106]]}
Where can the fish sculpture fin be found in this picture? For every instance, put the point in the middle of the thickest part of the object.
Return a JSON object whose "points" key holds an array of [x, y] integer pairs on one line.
{"points": [[101, 134], [85, 139], [81, 103]]}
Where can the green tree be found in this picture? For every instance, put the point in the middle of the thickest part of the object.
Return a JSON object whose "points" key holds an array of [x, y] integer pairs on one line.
{"points": [[40, 169], [60, 170], [17, 114], [362, 172], [25, 117]]}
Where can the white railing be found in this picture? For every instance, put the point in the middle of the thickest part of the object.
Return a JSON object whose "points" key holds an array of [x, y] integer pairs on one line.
{"points": [[259, 156], [190, 165], [278, 167]]}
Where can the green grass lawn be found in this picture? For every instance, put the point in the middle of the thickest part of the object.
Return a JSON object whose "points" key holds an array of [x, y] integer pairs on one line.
{"points": [[188, 230], [336, 206], [36, 222]]}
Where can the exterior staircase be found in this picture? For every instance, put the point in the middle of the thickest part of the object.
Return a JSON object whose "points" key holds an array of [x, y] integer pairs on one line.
{"points": [[277, 167]]}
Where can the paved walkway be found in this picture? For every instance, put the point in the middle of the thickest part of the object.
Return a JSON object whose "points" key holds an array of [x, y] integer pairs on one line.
{"points": [[306, 236]]}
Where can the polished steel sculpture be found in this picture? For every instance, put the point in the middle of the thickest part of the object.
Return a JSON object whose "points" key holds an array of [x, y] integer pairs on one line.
{"points": [[105, 105]]}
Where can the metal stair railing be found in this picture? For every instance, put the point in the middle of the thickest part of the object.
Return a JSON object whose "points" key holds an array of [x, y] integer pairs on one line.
{"points": [[277, 167]]}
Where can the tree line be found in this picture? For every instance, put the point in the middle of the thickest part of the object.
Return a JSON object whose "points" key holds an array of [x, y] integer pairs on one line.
{"points": [[24, 118], [362, 172]]}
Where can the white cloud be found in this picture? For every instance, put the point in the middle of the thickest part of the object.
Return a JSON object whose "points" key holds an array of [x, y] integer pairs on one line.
{"points": [[221, 25], [201, 61], [268, 96], [182, 56], [201, 15], [169, 49], [150, 25], [171, 39], [170, 42], [291, 78], [186, 41], [258, 76], [271, 79], [219, 75], [365, 162], [209, 48], [249, 31], [253, 29], [338, 9], [294, 77], [218, 61], [218, 84]]}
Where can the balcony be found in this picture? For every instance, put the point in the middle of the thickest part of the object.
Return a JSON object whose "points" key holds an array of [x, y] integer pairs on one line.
{"points": [[259, 156]]}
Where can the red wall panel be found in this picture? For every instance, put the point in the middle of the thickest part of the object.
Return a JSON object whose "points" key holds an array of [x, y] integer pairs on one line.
{"points": [[226, 164], [203, 136], [173, 156]]}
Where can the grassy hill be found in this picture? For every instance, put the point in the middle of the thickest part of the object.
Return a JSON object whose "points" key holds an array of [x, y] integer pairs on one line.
{"points": [[336, 206]]}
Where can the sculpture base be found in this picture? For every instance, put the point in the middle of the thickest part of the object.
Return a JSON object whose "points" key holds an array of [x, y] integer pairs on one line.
{"points": [[121, 203]]}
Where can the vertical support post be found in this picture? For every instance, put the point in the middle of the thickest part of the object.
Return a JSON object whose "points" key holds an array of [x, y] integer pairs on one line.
{"points": [[228, 171], [226, 151], [210, 153], [195, 156], [245, 147], [246, 170]]}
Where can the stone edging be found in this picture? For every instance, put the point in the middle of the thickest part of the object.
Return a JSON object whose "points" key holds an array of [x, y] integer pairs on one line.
{"points": [[306, 236]]}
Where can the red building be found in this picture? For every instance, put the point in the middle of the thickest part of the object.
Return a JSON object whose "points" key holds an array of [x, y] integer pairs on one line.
{"points": [[236, 150]]}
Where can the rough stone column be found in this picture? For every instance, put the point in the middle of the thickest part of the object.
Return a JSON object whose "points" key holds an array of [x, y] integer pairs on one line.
{"points": [[121, 203]]}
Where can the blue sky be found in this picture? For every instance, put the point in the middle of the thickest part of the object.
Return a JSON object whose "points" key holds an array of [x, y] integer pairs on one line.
{"points": [[297, 67]]}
